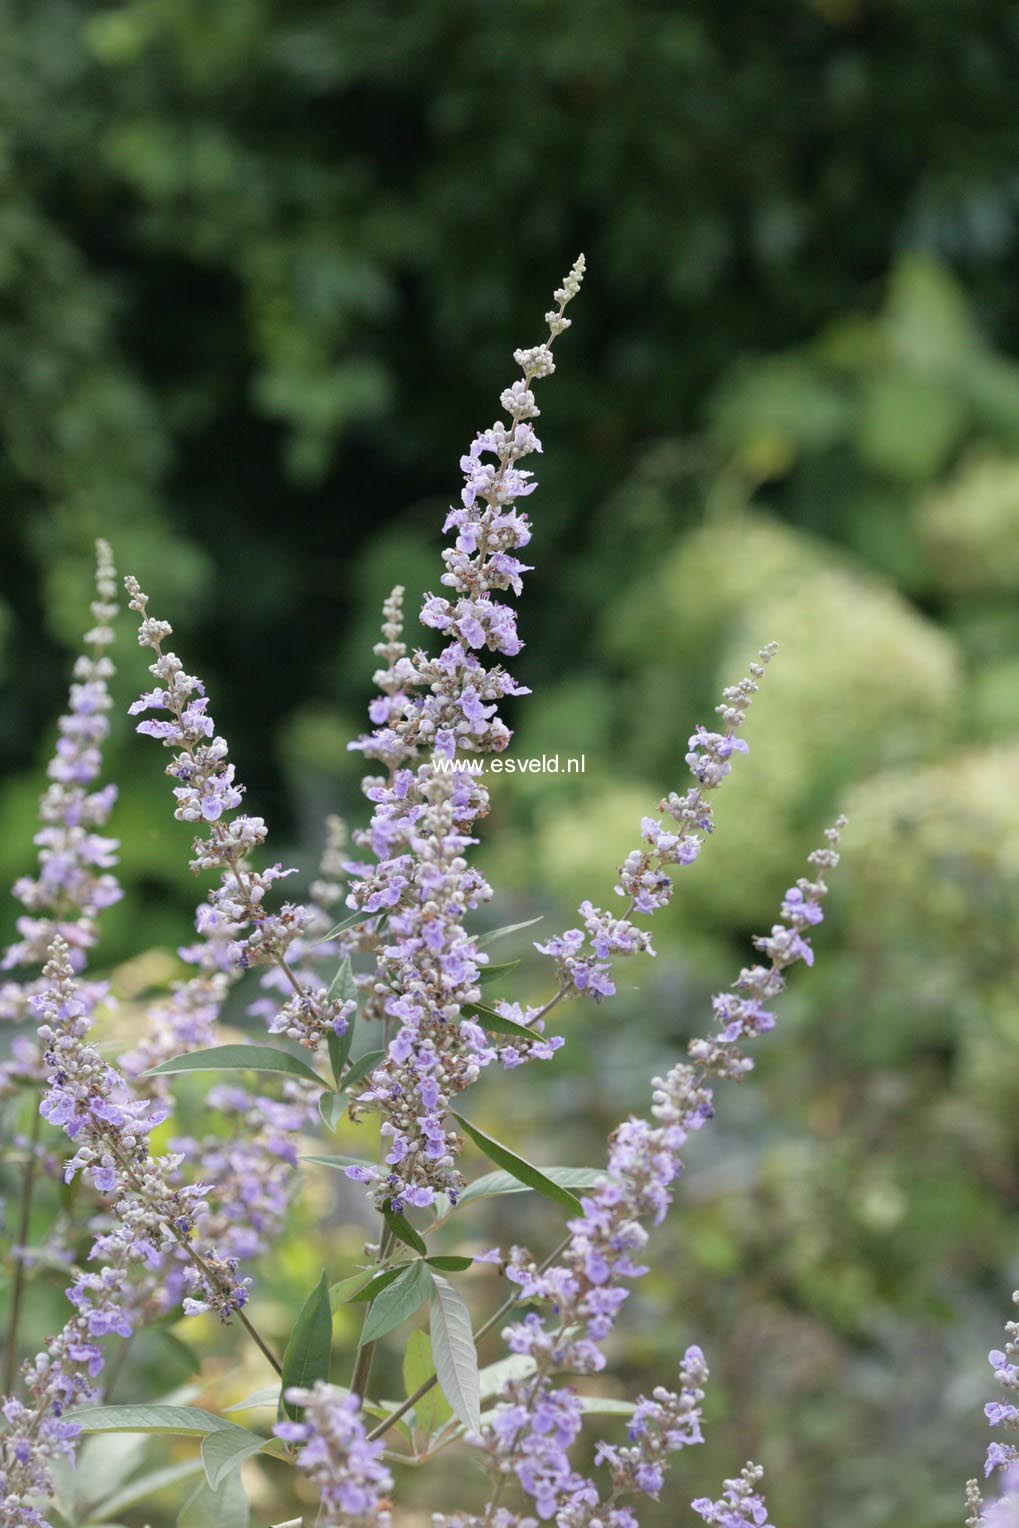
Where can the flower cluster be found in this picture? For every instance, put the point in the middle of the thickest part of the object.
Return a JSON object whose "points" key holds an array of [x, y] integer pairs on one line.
{"points": [[1003, 1457], [207, 792], [586, 1288], [74, 883], [39, 1433], [741, 1504], [583, 957], [91, 1102], [335, 1453], [426, 978]]}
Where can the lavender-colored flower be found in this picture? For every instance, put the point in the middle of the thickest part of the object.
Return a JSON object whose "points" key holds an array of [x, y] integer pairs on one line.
{"points": [[92, 1103], [208, 793], [740, 1506], [334, 1452], [584, 957], [586, 1287], [74, 883], [1005, 1413], [422, 825]]}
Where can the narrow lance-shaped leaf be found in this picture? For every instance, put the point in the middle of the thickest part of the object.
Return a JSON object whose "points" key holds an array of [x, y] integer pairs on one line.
{"points": [[489, 974], [489, 1019], [456, 1357], [307, 1356], [226, 1507], [401, 1299], [233, 1058], [182, 1420], [342, 988], [367, 1063], [432, 1409], [493, 1185], [525, 1172], [509, 928], [226, 1450], [403, 1230], [362, 1286]]}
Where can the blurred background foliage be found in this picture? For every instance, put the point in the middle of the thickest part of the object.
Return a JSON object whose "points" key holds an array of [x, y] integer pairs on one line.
{"points": [[261, 268]]}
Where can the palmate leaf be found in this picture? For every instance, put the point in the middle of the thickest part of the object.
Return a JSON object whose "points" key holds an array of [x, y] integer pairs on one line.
{"points": [[400, 1299], [232, 1058], [525, 1172], [307, 1356], [454, 1353]]}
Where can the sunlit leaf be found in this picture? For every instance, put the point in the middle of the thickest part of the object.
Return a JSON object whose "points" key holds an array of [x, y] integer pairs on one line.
{"points": [[525, 1172], [492, 1185], [233, 1058]]}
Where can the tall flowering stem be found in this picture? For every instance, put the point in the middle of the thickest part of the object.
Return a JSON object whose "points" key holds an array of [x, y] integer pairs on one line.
{"points": [[74, 884], [1002, 1457], [208, 794], [534, 1424], [423, 821]]}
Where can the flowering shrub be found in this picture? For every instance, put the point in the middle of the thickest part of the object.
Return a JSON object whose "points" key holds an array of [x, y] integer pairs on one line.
{"points": [[386, 1014]]}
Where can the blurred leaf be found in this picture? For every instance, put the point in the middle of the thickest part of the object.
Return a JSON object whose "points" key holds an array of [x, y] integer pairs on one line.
{"points": [[509, 928], [226, 1507], [432, 1409]]}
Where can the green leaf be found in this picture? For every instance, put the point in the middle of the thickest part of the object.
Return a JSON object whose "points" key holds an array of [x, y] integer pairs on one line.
{"points": [[517, 1167], [606, 1406], [489, 1019], [403, 1230], [339, 1161], [456, 1357], [224, 1451], [489, 974], [494, 1376], [307, 1356], [503, 933], [406, 1294], [344, 924], [146, 1485], [183, 1420], [361, 1286], [450, 1264], [331, 1108], [231, 1058], [491, 1185], [432, 1410], [361, 1068], [226, 1508], [342, 987], [268, 1395]]}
